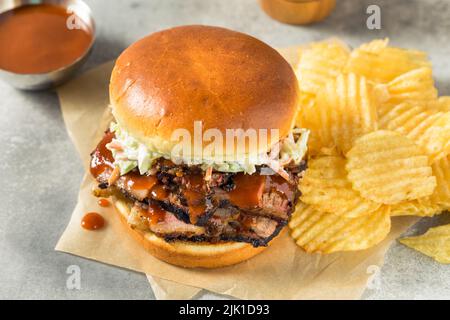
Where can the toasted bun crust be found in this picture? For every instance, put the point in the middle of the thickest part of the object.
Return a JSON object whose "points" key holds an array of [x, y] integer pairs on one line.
{"points": [[187, 254], [226, 79]]}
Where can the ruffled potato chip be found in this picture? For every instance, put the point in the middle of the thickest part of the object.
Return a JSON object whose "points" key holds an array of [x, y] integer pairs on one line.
{"points": [[434, 243], [426, 126], [306, 107], [380, 63], [326, 187], [408, 117], [344, 110], [436, 139], [422, 208], [443, 103], [441, 170], [375, 46], [388, 168], [416, 85], [320, 62], [321, 232]]}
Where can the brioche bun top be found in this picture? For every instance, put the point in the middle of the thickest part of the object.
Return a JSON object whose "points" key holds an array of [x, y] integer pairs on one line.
{"points": [[223, 78]]}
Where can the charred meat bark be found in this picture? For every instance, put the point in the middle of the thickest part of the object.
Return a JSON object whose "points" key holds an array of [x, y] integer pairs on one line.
{"points": [[227, 207]]}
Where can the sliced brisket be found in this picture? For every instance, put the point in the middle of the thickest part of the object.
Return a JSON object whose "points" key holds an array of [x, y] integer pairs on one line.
{"points": [[227, 207], [255, 230]]}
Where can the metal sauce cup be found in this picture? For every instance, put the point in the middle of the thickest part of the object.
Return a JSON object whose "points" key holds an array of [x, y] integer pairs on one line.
{"points": [[41, 81]]}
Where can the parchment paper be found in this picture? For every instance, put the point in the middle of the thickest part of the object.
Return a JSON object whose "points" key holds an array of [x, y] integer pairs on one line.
{"points": [[283, 271]]}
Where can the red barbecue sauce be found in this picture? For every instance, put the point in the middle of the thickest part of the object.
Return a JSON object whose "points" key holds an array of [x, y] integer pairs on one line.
{"points": [[92, 221], [103, 202], [159, 193], [102, 159], [249, 189], [36, 39], [135, 181], [155, 214], [102, 164], [195, 196]]}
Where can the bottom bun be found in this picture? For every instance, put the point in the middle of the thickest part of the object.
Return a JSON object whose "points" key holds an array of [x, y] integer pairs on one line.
{"points": [[188, 254]]}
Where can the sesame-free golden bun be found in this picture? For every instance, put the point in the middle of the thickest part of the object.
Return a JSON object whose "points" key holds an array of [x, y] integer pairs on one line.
{"points": [[187, 254], [226, 79]]}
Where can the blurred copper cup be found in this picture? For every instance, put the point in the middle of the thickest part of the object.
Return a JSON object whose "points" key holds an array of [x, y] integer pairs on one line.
{"points": [[298, 11]]}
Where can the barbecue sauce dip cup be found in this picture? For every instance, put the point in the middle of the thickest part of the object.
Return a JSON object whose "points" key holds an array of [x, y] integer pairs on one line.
{"points": [[43, 43]]}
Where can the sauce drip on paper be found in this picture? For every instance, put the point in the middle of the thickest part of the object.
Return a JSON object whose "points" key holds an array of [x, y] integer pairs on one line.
{"points": [[103, 202], [92, 221]]}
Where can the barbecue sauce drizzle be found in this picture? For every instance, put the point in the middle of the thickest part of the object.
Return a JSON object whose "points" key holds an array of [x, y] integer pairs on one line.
{"points": [[246, 194], [155, 213]]}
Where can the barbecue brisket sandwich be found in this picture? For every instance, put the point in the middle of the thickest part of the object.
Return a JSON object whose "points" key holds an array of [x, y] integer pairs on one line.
{"points": [[192, 209]]}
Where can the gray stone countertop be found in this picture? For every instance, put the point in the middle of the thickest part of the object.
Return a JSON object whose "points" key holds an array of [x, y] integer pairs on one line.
{"points": [[40, 170]]}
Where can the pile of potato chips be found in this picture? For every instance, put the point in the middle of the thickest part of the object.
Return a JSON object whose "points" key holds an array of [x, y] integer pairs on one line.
{"points": [[379, 144]]}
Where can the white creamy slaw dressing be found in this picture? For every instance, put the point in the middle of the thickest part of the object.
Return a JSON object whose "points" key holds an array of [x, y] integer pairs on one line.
{"points": [[129, 153]]}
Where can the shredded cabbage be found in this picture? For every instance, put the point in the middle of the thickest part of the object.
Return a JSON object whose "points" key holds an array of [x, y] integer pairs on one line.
{"points": [[132, 153], [129, 153]]}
